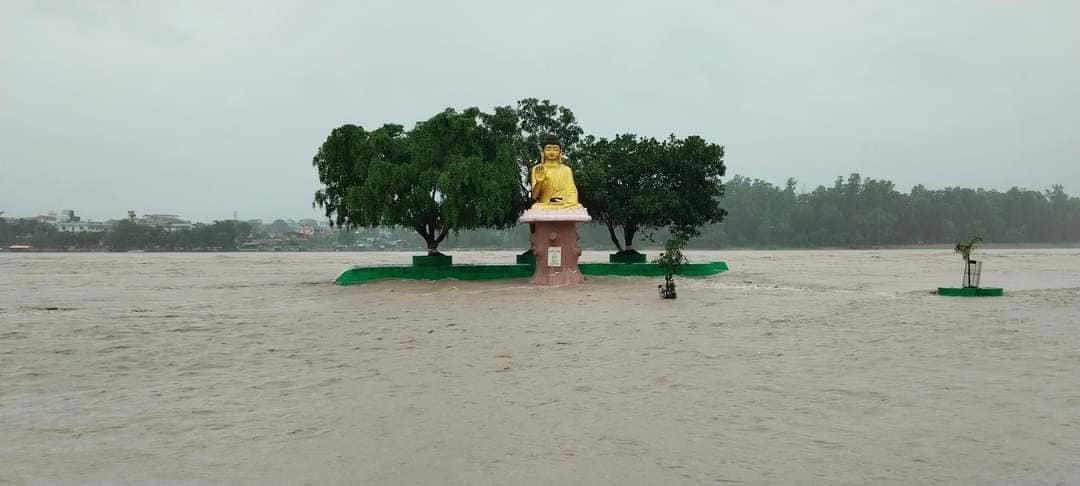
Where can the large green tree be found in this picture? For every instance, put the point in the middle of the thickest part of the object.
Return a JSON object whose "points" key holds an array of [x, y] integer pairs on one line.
{"points": [[634, 183], [451, 172]]}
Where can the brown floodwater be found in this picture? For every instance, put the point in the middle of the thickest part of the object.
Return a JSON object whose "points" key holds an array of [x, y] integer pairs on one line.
{"points": [[804, 367]]}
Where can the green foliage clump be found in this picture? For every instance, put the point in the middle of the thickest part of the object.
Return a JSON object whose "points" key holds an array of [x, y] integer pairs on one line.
{"points": [[672, 258], [128, 235], [964, 248]]}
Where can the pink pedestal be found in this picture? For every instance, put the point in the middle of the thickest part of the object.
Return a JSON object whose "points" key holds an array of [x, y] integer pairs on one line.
{"points": [[557, 252]]}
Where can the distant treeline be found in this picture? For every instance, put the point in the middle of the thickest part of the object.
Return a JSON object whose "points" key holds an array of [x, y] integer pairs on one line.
{"points": [[852, 212], [125, 235], [863, 212], [857, 212]]}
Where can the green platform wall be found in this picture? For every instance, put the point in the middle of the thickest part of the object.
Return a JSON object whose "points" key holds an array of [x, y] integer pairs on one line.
{"points": [[356, 275], [970, 292]]}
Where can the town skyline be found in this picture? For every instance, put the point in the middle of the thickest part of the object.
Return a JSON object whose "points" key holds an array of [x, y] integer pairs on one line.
{"points": [[56, 212], [58, 215]]}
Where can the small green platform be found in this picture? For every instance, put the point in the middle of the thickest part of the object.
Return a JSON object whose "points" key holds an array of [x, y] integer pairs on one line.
{"points": [[437, 260], [356, 275], [527, 258], [970, 292], [627, 257]]}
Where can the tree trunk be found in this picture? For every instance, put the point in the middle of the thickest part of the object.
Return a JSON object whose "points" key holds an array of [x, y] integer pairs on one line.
{"points": [[628, 236], [614, 239], [429, 238], [433, 249]]}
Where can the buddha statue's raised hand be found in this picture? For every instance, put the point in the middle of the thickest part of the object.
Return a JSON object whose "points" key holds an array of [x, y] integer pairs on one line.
{"points": [[539, 174]]}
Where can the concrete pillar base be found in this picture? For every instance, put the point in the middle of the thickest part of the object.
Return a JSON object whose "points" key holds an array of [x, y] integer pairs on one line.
{"points": [[557, 252]]}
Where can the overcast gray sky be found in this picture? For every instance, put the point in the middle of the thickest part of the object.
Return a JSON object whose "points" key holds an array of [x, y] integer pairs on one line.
{"points": [[203, 108]]}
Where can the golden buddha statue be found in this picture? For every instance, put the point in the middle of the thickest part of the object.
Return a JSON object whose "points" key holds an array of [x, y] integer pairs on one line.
{"points": [[553, 182]]}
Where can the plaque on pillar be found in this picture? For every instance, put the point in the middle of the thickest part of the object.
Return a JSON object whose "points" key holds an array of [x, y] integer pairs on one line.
{"points": [[555, 256]]}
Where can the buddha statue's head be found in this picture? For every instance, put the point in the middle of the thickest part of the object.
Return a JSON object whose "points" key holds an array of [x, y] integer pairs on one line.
{"points": [[551, 149]]}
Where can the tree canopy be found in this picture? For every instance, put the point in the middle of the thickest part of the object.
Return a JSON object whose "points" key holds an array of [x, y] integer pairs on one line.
{"points": [[637, 183], [467, 170], [451, 172]]}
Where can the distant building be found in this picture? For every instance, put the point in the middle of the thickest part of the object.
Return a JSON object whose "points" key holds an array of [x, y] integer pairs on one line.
{"points": [[67, 222], [167, 222], [67, 216], [82, 227], [178, 227], [162, 219], [45, 218]]}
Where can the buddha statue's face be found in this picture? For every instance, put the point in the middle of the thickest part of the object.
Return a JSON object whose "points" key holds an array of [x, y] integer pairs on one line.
{"points": [[552, 153]]}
